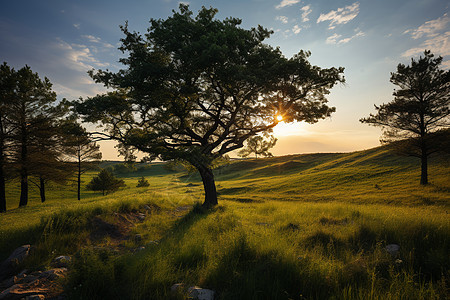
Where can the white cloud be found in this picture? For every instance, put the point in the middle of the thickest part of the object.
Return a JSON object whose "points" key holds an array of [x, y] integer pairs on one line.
{"points": [[333, 39], [336, 38], [77, 26], [78, 57], [346, 40], [436, 38], [439, 45], [296, 29], [342, 15], [306, 10], [285, 3], [97, 40], [430, 28], [283, 19]]}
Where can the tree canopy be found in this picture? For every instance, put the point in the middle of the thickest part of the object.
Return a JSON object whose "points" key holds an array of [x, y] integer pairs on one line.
{"points": [[419, 114], [195, 88]]}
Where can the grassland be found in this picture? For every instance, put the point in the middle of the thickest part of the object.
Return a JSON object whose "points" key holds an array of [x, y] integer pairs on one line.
{"points": [[295, 227]]}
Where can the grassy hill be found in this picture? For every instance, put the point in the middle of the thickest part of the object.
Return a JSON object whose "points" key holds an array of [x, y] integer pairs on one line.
{"points": [[311, 226]]}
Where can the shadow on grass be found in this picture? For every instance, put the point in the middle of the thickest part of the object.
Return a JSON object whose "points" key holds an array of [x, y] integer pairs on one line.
{"points": [[245, 272]]}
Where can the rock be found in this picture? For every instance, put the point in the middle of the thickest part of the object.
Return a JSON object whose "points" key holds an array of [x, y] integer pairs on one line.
{"points": [[393, 249], [61, 261], [141, 216], [8, 267], [177, 288], [198, 293], [53, 274]]}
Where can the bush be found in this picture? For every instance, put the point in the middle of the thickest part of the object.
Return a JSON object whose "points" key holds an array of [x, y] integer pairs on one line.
{"points": [[106, 182], [142, 182]]}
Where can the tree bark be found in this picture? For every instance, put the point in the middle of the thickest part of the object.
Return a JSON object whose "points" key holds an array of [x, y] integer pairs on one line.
{"points": [[2, 189], [2, 170], [23, 187], [79, 181], [42, 189], [23, 169], [209, 185], [424, 168]]}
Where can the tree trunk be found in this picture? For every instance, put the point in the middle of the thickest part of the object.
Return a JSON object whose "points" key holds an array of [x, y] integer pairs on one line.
{"points": [[42, 189], [424, 168], [23, 170], [23, 187], [79, 181], [2, 170], [209, 186], [2, 190]]}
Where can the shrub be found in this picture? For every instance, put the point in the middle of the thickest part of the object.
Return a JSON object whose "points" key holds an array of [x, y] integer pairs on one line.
{"points": [[142, 182], [106, 182]]}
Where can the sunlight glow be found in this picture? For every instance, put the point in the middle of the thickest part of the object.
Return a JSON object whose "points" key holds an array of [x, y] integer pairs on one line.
{"points": [[279, 118], [286, 129]]}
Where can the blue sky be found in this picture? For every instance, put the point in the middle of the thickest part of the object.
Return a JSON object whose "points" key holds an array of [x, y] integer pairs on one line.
{"points": [[63, 39]]}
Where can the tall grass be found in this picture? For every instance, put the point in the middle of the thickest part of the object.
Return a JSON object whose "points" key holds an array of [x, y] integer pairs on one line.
{"points": [[297, 227]]}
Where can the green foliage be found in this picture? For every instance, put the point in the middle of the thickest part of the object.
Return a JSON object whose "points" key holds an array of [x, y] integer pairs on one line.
{"points": [[105, 182], [124, 168], [142, 182], [195, 88], [29, 135]]}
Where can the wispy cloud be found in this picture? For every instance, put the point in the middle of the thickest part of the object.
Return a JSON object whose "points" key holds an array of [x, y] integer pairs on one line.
{"points": [[333, 39], [97, 40], [285, 3], [435, 37], [78, 57], [439, 45], [430, 28], [77, 26], [336, 38], [282, 19], [306, 10], [296, 29], [342, 15]]}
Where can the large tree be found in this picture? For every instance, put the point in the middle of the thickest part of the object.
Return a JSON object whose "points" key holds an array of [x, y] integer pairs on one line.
{"points": [[195, 88], [419, 112], [32, 106], [6, 91], [47, 157]]}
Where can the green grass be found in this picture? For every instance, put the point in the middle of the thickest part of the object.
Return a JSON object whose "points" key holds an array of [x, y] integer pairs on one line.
{"points": [[296, 227]]}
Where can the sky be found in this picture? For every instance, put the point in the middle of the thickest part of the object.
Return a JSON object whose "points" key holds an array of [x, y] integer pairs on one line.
{"points": [[63, 39]]}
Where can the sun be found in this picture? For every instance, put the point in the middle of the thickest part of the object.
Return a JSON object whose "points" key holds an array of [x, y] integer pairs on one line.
{"points": [[279, 118]]}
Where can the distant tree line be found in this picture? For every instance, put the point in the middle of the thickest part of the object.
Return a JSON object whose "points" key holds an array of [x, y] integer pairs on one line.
{"points": [[40, 140]]}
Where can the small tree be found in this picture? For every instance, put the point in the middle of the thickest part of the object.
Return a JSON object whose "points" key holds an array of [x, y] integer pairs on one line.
{"points": [[81, 148], [420, 109], [196, 88], [106, 182], [142, 182], [258, 145]]}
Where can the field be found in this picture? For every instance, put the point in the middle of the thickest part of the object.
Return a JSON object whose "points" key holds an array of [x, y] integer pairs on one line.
{"points": [[312, 226]]}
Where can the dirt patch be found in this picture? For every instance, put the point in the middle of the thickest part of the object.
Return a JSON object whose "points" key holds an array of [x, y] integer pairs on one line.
{"points": [[116, 227]]}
